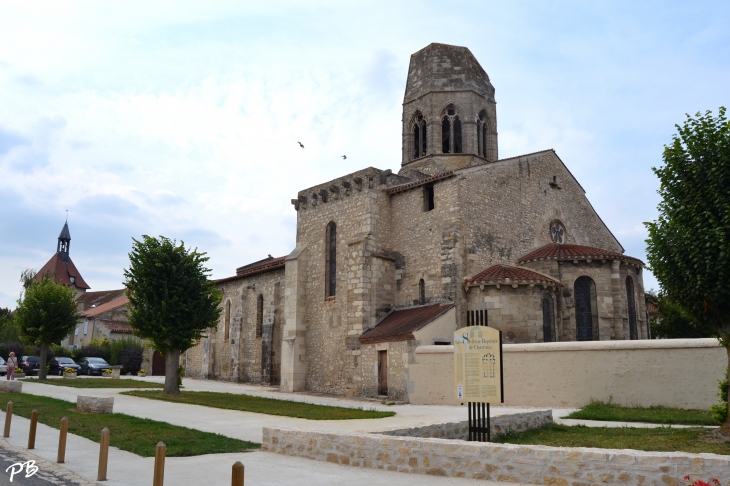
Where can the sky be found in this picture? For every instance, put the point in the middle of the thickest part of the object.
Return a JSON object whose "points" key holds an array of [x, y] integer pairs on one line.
{"points": [[181, 118]]}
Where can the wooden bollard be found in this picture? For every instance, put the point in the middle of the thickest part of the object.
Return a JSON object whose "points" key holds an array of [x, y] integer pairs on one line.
{"points": [[237, 474], [103, 454], [159, 476], [8, 418], [62, 441], [33, 427]]}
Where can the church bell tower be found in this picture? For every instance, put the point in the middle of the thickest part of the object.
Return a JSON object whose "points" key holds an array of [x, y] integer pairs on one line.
{"points": [[449, 111]]}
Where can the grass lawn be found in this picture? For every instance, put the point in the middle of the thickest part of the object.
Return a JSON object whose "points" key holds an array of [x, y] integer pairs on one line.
{"points": [[132, 434], [656, 415], [661, 439], [270, 406], [95, 383]]}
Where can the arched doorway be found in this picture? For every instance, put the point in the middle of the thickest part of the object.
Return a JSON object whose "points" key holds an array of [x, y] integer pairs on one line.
{"points": [[158, 364], [583, 309]]}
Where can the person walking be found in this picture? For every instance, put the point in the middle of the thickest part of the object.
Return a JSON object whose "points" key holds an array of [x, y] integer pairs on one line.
{"points": [[12, 364]]}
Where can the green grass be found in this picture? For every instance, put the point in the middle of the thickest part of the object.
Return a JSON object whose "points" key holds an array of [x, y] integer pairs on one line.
{"points": [[269, 406], [597, 410], [660, 439], [128, 433], [96, 383]]}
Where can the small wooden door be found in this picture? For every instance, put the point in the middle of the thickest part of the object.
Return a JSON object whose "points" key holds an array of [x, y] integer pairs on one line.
{"points": [[158, 364], [382, 372]]}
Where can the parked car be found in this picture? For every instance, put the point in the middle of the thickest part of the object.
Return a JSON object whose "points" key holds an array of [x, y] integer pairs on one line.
{"points": [[30, 364], [59, 365], [3, 367], [93, 366]]}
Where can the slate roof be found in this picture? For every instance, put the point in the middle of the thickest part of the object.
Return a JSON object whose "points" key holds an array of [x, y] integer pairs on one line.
{"points": [[505, 274], [554, 251], [116, 326], [62, 272], [261, 266], [400, 325], [119, 302]]}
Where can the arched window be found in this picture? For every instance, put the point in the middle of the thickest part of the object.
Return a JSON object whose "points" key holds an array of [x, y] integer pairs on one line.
{"points": [[421, 292], [227, 324], [631, 303], [259, 315], [584, 308], [482, 134], [451, 132], [419, 136], [548, 319], [331, 260]]}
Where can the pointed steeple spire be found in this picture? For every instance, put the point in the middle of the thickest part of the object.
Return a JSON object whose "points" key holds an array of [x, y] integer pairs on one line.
{"points": [[64, 242]]}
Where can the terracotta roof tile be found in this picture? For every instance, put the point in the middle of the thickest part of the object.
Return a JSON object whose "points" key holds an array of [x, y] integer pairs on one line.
{"points": [[62, 272], [99, 298], [400, 325], [554, 251], [95, 311], [116, 326], [505, 274]]}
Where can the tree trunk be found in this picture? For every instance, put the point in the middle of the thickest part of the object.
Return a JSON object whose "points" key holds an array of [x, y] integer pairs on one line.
{"points": [[44, 361], [172, 363]]}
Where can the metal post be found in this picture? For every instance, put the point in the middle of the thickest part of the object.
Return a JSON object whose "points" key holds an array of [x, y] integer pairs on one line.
{"points": [[62, 441], [8, 418], [103, 454], [159, 475], [237, 474], [470, 431], [489, 426], [33, 426]]}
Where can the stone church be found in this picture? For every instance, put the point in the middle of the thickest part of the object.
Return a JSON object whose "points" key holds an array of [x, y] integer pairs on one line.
{"points": [[385, 262]]}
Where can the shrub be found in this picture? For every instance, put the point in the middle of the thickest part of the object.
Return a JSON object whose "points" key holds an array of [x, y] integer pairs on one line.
{"points": [[58, 351], [719, 411], [95, 351], [15, 347], [130, 357]]}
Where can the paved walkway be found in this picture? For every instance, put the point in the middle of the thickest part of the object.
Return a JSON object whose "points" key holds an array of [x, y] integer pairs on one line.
{"points": [[262, 468]]}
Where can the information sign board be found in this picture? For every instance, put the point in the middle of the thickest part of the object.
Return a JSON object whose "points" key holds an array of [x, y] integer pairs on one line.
{"points": [[478, 364]]}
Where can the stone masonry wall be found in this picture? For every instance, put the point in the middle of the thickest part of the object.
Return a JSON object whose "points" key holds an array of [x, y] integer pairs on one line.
{"points": [[399, 354], [497, 462]]}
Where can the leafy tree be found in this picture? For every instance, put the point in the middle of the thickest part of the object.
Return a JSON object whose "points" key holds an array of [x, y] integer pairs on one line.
{"points": [[172, 301], [8, 329], [689, 244], [47, 314], [672, 322]]}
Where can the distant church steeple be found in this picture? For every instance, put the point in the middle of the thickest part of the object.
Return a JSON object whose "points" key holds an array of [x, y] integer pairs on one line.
{"points": [[64, 242]]}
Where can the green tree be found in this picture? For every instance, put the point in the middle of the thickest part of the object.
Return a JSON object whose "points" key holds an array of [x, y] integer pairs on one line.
{"points": [[47, 313], [672, 322], [172, 301], [8, 329], [688, 248]]}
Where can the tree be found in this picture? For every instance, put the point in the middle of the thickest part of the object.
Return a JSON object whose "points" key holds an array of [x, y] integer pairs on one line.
{"points": [[172, 301], [8, 329], [672, 322], [688, 248], [47, 314]]}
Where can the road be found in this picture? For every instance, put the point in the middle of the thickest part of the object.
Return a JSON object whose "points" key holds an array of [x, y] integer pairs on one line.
{"points": [[40, 478]]}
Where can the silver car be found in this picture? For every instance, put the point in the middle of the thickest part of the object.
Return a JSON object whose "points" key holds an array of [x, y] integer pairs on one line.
{"points": [[3, 367]]}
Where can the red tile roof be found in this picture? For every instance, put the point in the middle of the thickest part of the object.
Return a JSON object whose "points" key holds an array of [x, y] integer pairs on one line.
{"points": [[116, 326], [422, 182], [95, 311], [400, 325], [505, 274], [100, 297], [554, 251], [62, 272], [262, 266]]}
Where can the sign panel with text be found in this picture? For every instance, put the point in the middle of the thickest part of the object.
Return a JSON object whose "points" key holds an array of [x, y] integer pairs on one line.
{"points": [[478, 365]]}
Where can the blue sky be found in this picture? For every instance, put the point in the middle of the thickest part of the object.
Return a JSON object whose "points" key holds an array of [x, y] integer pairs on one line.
{"points": [[181, 118]]}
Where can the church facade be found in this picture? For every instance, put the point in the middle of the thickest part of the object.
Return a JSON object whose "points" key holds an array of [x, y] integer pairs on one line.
{"points": [[385, 262]]}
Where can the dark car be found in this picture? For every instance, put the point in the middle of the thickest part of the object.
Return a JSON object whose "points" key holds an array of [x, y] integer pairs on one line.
{"points": [[59, 365], [30, 365], [93, 366]]}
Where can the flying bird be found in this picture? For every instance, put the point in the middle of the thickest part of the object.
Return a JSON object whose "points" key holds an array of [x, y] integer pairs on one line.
{"points": [[300, 144], [344, 157]]}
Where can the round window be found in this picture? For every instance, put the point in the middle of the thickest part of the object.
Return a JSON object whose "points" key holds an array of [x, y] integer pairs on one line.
{"points": [[557, 232]]}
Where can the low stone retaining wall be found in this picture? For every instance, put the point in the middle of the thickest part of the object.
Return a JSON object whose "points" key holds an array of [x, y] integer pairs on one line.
{"points": [[497, 462], [11, 386], [94, 404], [499, 425]]}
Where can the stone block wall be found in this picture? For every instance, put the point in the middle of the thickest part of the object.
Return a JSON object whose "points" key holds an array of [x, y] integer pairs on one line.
{"points": [[95, 404], [399, 354], [497, 462]]}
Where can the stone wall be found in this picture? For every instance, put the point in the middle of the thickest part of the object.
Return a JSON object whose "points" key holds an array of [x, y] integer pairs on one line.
{"points": [[497, 462], [679, 373], [499, 425]]}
